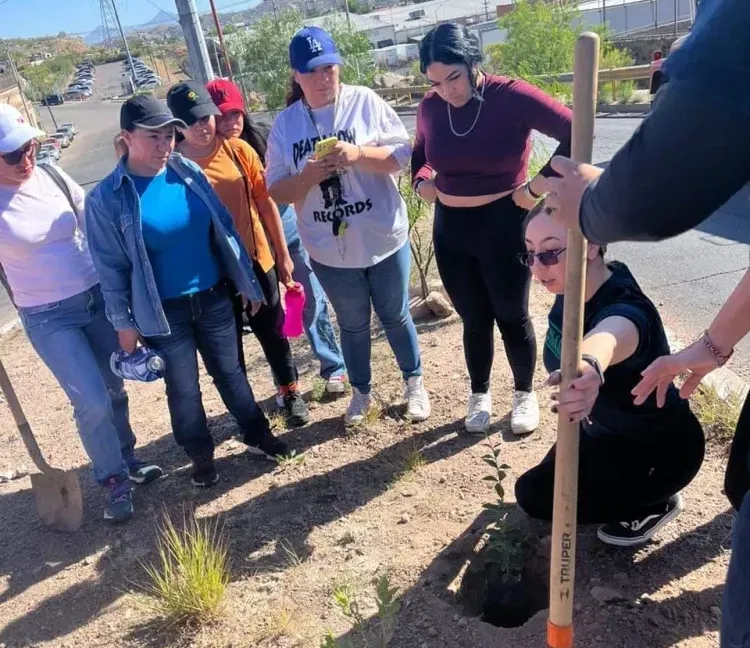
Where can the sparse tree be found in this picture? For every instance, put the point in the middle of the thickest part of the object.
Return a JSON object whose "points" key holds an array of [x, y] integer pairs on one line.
{"points": [[262, 55]]}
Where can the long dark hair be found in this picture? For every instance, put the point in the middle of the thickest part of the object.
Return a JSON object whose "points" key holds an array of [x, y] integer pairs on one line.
{"points": [[294, 93], [256, 135], [450, 44]]}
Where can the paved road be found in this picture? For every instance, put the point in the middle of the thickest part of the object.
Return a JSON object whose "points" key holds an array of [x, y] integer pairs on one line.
{"points": [[689, 276]]}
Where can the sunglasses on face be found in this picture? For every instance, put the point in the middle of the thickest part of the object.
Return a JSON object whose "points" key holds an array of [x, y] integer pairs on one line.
{"points": [[14, 157], [546, 258]]}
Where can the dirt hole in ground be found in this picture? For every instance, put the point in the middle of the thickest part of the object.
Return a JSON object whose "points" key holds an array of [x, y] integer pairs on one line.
{"points": [[500, 598]]}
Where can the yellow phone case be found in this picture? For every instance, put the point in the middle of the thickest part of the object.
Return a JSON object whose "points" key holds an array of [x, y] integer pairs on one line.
{"points": [[324, 147]]}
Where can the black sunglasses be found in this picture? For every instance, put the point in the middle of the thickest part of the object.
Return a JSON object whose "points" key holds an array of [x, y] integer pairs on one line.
{"points": [[15, 157], [546, 258]]}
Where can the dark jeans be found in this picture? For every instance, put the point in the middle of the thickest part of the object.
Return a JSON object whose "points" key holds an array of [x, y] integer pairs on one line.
{"points": [[266, 325], [735, 611], [620, 477], [735, 605], [203, 322], [476, 251]]}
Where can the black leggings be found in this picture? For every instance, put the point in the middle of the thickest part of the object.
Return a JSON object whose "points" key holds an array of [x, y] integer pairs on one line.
{"points": [[266, 325], [476, 251], [620, 477], [737, 479]]}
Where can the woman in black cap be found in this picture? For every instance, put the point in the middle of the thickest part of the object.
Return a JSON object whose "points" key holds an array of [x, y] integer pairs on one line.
{"points": [[165, 246], [236, 173]]}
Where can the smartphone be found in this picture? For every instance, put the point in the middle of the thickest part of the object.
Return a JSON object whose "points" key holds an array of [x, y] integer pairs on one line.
{"points": [[325, 147]]}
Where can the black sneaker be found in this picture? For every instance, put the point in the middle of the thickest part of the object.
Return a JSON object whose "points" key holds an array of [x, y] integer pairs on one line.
{"points": [[262, 442], [204, 473], [296, 410], [142, 473], [637, 532]]}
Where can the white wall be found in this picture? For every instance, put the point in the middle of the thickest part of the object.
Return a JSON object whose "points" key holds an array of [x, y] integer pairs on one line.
{"points": [[622, 19]]}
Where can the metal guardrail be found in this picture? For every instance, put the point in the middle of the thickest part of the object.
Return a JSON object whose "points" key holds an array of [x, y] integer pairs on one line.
{"points": [[630, 73]]}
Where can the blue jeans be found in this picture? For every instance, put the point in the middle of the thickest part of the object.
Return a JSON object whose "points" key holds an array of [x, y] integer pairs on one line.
{"points": [[735, 612], [75, 340], [315, 316], [203, 322], [353, 293]]}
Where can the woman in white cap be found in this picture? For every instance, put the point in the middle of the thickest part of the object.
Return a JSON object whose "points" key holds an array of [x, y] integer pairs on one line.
{"points": [[53, 283], [351, 217]]}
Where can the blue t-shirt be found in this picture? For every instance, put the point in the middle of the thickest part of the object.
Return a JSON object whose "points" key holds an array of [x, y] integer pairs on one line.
{"points": [[177, 231]]}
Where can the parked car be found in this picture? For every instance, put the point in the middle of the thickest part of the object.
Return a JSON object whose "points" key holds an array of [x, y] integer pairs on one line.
{"points": [[44, 157], [69, 131], [52, 151], [53, 100], [52, 142], [658, 76], [63, 139], [70, 125], [74, 95]]}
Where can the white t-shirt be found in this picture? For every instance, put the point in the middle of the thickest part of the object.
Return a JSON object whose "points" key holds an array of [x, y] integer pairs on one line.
{"points": [[43, 249], [369, 203]]}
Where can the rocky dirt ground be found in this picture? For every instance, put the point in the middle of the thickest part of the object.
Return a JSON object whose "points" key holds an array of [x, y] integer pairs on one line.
{"points": [[392, 498]]}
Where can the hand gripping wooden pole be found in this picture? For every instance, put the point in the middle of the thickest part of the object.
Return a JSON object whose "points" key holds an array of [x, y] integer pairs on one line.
{"points": [[562, 568]]}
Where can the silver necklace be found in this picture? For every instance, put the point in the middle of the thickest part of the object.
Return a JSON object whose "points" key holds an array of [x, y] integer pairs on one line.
{"points": [[476, 119]]}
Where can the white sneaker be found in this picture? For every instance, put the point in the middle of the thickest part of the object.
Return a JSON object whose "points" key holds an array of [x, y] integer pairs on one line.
{"points": [[336, 385], [480, 411], [358, 407], [417, 400], [525, 415]]}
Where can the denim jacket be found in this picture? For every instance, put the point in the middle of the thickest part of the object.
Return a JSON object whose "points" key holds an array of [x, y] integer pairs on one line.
{"points": [[115, 237]]}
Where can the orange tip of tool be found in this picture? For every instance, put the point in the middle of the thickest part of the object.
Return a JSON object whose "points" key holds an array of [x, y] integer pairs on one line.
{"points": [[559, 636]]}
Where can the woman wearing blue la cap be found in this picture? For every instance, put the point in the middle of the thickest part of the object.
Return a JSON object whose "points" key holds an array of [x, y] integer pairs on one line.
{"points": [[351, 217]]}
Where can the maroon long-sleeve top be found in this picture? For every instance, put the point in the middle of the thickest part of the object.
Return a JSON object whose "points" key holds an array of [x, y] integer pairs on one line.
{"points": [[494, 157]]}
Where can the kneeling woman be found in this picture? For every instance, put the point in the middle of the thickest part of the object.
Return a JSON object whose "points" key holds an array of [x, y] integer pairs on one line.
{"points": [[634, 460]]}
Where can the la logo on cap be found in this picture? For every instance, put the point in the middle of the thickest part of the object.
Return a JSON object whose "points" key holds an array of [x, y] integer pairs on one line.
{"points": [[315, 45]]}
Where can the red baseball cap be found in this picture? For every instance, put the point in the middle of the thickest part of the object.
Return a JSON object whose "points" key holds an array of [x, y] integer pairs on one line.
{"points": [[226, 95]]}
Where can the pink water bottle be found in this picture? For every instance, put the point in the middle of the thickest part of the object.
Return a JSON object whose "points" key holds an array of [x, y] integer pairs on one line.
{"points": [[294, 304]]}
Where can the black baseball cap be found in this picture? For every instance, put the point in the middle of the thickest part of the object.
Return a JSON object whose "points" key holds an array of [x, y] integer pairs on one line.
{"points": [[189, 101], [146, 111]]}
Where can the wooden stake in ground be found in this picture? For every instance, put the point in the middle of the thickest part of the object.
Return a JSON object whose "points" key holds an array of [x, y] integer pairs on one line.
{"points": [[562, 568]]}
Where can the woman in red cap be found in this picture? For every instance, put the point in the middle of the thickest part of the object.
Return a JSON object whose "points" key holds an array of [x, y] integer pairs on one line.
{"points": [[235, 122]]}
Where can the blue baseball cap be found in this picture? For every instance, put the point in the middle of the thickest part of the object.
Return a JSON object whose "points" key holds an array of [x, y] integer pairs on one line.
{"points": [[312, 47]]}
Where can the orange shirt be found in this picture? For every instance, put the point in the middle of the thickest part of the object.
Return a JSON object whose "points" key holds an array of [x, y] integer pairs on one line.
{"points": [[221, 169]]}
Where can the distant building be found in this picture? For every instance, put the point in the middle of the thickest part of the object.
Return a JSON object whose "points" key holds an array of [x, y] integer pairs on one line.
{"points": [[409, 23]]}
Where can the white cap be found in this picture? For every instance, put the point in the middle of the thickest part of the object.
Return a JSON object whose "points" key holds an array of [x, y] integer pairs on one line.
{"points": [[15, 131]]}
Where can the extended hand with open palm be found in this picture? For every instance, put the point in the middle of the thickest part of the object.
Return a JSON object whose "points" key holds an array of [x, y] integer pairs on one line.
{"points": [[697, 360]]}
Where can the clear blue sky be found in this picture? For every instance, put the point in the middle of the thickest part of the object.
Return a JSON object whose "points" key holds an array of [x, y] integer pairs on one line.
{"points": [[23, 18]]}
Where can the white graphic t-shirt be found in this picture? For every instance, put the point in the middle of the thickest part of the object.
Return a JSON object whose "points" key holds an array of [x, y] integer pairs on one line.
{"points": [[376, 224]]}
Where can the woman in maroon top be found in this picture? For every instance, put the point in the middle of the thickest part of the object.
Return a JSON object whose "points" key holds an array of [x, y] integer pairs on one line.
{"points": [[471, 158]]}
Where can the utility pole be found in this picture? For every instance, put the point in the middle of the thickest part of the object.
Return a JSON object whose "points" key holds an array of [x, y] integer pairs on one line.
{"points": [[124, 40], [196, 43], [164, 60], [216, 56], [604, 12], [348, 15], [20, 86], [220, 33], [487, 9], [145, 44], [676, 6]]}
